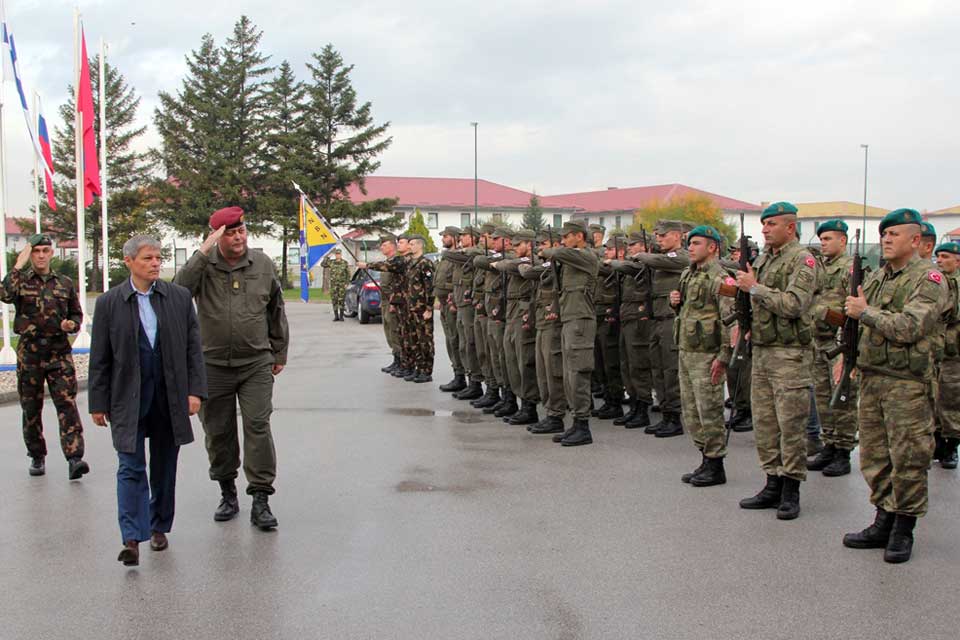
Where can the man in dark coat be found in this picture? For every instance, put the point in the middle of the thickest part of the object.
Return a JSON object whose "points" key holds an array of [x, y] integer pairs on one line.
{"points": [[146, 379]]}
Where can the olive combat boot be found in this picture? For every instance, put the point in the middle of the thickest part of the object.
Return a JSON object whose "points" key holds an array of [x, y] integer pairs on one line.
{"points": [[260, 514]]}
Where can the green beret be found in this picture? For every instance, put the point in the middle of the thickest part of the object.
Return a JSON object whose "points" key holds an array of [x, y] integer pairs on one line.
{"points": [[900, 216], [573, 226], [451, 231], [949, 247], [778, 209], [833, 225], [487, 228], [40, 240], [525, 235], [665, 226], [705, 231], [927, 229]]}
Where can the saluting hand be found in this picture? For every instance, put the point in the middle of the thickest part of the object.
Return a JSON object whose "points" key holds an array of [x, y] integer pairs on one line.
{"points": [[212, 239], [746, 279], [23, 257], [854, 306]]}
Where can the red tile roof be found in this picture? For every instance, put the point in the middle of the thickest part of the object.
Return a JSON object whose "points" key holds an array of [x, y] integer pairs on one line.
{"points": [[439, 192], [68, 244], [637, 197], [13, 228]]}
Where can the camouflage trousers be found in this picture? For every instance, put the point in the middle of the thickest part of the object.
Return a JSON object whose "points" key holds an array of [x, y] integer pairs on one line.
{"points": [[896, 441], [702, 403], [338, 292], [838, 426], [483, 352], [576, 343], [663, 358], [519, 347], [468, 341], [391, 329], [550, 370], [780, 397], [948, 398], [498, 363], [635, 359], [422, 337], [448, 319], [406, 332], [739, 375], [35, 368], [608, 347]]}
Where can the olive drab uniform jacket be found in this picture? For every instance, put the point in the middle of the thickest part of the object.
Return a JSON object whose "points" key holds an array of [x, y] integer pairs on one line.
{"points": [[833, 287], [579, 281], [699, 325], [904, 308], [443, 278], [668, 267], [636, 287], [493, 283], [786, 281]]}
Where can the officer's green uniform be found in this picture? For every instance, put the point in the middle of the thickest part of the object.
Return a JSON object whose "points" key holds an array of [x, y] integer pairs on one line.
{"points": [[244, 330], [948, 406], [463, 272], [41, 303], [339, 278], [443, 290], [494, 281], [520, 334], [549, 360], [608, 294]]}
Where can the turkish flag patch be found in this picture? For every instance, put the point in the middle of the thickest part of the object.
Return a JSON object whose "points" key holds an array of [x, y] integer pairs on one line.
{"points": [[730, 281], [935, 276], [810, 262]]}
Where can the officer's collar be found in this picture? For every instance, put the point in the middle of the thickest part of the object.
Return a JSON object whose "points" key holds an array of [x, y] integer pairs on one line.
{"points": [[778, 252], [890, 270], [217, 259]]}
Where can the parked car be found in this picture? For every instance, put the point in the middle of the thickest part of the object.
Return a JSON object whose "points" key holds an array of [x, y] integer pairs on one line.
{"points": [[363, 296]]}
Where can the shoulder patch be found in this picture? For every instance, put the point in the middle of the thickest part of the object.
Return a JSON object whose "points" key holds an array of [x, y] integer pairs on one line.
{"points": [[729, 280], [810, 262], [672, 254], [935, 276]]}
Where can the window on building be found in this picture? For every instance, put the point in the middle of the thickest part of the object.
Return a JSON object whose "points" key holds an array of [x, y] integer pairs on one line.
{"points": [[603, 221], [618, 219], [465, 219], [433, 221], [497, 217], [557, 220]]}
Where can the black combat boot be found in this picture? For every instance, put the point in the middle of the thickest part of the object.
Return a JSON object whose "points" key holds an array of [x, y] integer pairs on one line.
{"points": [[839, 466], [671, 426], [628, 416], [76, 468], [651, 429], [711, 474], [581, 434], [814, 445], [473, 391], [260, 514], [492, 409], [789, 507], [563, 434], [423, 377], [741, 421], [768, 498], [641, 419], [949, 458], [400, 372], [875, 536], [489, 399], [509, 405], [459, 383], [550, 424], [526, 415], [390, 368], [825, 457], [411, 375], [900, 544], [938, 445], [229, 505], [37, 467], [685, 478], [611, 410]]}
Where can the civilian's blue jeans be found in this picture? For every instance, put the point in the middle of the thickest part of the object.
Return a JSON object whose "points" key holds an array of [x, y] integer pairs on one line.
{"points": [[144, 508]]}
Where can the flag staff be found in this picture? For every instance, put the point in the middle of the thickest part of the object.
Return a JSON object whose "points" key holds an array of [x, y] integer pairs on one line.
{"points": [[36, 166], [82, 341], [7, 354], [103, 167]]}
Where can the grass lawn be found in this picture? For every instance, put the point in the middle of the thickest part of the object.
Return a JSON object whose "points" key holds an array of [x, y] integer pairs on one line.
{"points": [[316, 295]]}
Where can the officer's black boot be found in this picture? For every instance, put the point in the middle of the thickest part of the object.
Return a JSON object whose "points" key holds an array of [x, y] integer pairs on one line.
{"points": [[390, 368], [550, 424], [473, 391], [789, 507], [422, 377], [490, 398], [839, 466], [768, 498], [711, 474], [824, 458], [526, 415], [875, 536], [685, 478], [628, 416], [260, 514], [411, 375], [949, 458], [498, 405], [581, 434], [229, 505], [76, 467], [742, 421], [459, 383], [509, 406], [612, 409], [656, 426], [37, 467], [671, 426], [900, 544], [566, 433], [641, 419]]}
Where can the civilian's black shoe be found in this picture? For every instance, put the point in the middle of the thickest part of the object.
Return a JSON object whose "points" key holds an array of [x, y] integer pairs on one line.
{"points": [[130, 554], [459, 383], [76, 468], [229, 504], [875, 536], [37, 467], [260, 514], [900, 545]]}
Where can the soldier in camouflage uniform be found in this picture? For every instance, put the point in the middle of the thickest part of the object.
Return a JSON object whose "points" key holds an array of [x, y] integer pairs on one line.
{"points": [[839, 426], [898, 311], [443, 290], [396, 267], [608, 297], [948, 399], [388, 310], [704, 343], [339, 279], [47, 309], [781, 285], [579, 265], [420, 299], [495, 303]]}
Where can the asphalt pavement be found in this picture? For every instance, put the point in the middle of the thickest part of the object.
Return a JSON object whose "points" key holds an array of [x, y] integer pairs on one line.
{"points": [[407, 514]]}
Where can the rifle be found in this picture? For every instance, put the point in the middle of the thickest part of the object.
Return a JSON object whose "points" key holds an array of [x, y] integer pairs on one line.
{"points": [[648, 303], [557, 282], [616, 275], [849, 335], [742, 315]]}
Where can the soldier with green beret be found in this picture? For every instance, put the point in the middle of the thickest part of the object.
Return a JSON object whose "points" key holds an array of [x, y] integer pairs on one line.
{"points": [[781, 284], [947, 435], [666, 267], [579, 266], [898, 309], [839, 426], [495, 289], [47, 309], [443, 290], [928, 240], [607, 347], [704, 346]]}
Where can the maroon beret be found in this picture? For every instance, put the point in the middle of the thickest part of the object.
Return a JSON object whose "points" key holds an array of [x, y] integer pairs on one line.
{"points": [[230, 217]]}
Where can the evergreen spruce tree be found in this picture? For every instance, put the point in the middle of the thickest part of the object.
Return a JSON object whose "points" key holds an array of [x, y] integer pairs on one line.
{"points": [[417, 225], [533, 216]]}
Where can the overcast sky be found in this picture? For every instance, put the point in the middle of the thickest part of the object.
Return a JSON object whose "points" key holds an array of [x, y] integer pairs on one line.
{"points": [[758, 100]]}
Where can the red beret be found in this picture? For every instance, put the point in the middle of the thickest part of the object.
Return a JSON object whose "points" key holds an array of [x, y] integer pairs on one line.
{"points": [[230, 217]]}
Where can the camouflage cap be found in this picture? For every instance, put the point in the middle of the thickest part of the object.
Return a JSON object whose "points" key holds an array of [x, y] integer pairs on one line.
{"points": [[502, 232], [525, 235], [927, 230], [665, 226], [573, 226], [833, 225], [778, 209], [900, 216], [40, 240], [949, 247], [451, 231]]}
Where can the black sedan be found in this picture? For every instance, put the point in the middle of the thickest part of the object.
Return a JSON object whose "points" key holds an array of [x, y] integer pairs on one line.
{"points": [[363, 296]]}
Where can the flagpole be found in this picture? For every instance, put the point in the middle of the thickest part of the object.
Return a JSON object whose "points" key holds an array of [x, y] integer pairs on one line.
{"points": [[36, 166], [103, 167], [7, 354], [82, 341]]}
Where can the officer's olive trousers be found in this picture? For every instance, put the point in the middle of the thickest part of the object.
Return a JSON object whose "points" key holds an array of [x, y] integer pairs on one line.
{"points": [[391, 330], [251, 386], [608, 345], [576, 342], [635, 359], [483, 353], [495, 340], [550, 370], [521, 357], [663, 357], [448, 319], [468, 341]]}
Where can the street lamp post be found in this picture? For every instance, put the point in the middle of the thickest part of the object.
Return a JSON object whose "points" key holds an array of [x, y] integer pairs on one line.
{"points": [[475, 187], [863, 230]]}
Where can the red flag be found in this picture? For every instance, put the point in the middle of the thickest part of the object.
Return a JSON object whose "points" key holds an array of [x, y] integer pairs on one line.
{"points": [[91, 170]]}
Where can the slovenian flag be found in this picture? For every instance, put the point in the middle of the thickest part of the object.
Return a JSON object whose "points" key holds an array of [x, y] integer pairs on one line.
{"points": [[43, 137]]}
